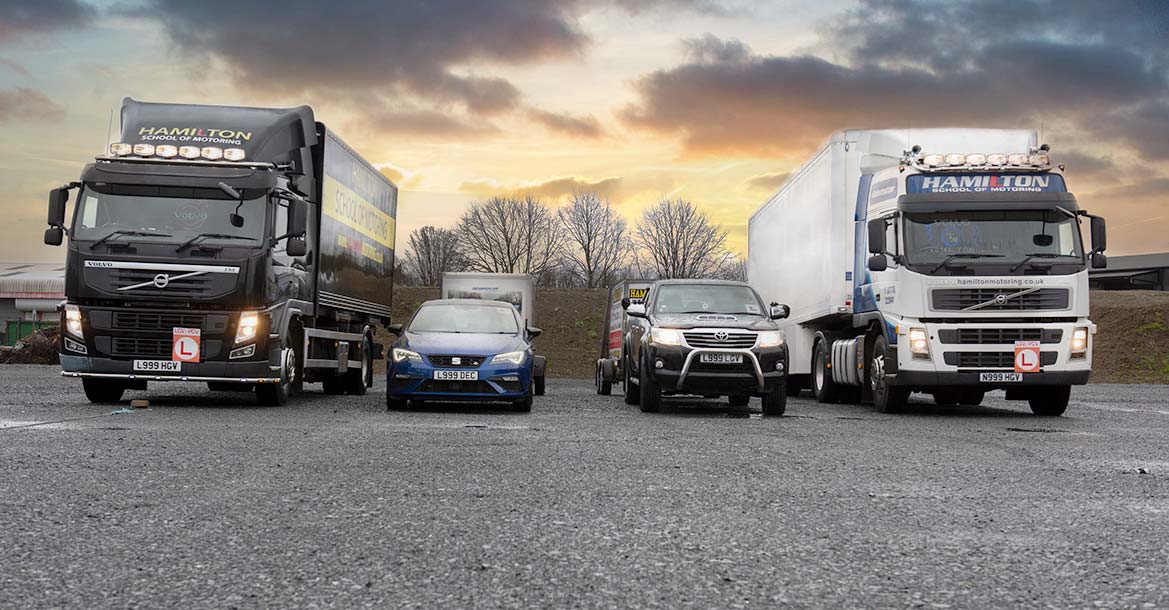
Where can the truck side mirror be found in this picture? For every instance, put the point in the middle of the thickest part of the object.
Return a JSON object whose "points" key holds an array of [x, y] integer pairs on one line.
{"points": [[779, 312], [58, 197], [1099, 261], [625, 302], [54, 236], [1099, 235], [296, 247], [878, 262], [297, 217], [877, 236], [636, 311]]}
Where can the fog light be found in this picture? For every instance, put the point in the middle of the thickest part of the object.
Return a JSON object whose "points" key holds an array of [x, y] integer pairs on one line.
{"points": [[659, 364], [74, 346], [244, 352], [779, 366], [509, 378]]}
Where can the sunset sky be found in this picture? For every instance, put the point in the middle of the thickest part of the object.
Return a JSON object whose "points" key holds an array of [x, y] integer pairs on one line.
{"points": [[706, 100]]}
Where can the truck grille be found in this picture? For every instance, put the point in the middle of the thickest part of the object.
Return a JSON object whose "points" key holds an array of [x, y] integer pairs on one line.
{"points": [[998, 336], [465, 362], [133, 320], [991, 360], [717, 339], [157, 349], [958, 299], [197, 286]]}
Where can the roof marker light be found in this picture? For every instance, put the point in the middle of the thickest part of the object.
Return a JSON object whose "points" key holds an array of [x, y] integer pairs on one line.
{"points": [[166, 151], [144, 150], [121, 149], [1040, 160], [1018, 159], [955, 159], [211, 153], [189, 152], [976, 159], [933, 160], [233, 154], [996, 159]]}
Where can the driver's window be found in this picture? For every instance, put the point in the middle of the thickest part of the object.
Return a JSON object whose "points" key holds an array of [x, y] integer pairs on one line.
{"points": [[892, 246], [278, 250]]}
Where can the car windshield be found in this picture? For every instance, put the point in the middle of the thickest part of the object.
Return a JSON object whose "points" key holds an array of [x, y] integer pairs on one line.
{"points": [[998, 237], [168, 214], [707, 298], [465, 319]]}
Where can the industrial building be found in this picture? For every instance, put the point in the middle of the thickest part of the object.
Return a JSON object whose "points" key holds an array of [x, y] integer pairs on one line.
{"points": [[29, 295], [1137, 272]]}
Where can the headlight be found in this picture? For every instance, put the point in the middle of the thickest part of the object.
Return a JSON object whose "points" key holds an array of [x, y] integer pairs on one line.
{"points": [[771, 338], [666, 336], [1080, 341], [249, 325], [509, 358], [405, 355], [73, 320], [919, 343]]}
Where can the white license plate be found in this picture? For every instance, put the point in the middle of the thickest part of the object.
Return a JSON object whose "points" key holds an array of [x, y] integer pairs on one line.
{"points": [[1000, 377], [158, 366], [457, 375], [720, 358]]}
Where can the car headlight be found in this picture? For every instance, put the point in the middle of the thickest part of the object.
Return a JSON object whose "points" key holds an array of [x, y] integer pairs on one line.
{"points": [[1080, 341], [919, 343], [73, 320], [405, 355], [771, 338], [666, 336], [509, 358], [249, 325]]}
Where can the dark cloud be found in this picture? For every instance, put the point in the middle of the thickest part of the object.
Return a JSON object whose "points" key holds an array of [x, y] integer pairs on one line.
{"points": [[28, 104], [768, 182], [579, 126], [712, 49], [430, 123], [21, 17]]}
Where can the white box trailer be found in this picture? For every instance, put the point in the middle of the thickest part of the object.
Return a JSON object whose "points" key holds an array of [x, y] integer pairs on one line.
{"points": [[808, 247], [519, 289]]}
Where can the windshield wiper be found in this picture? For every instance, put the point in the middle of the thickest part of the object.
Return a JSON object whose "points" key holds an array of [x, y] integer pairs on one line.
{"points": [[191, 242], [120, 232], [946, 263], [1027, 258]]}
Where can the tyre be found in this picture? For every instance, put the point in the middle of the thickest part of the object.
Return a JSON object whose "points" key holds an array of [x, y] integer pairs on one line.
{"points": [[357, 381], [651, 394], [775, 401], [334, 384], [538, 382], [947, 398], [523, 405], [276, 394], [971, 398], [886, 398], [739, 400], [632, 394], [396, 404], [604, 386], [1050, 402], [103, 391], [823, 387]]}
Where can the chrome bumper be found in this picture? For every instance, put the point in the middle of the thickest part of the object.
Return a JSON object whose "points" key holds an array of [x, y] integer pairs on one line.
{"points": [[705, 350]]}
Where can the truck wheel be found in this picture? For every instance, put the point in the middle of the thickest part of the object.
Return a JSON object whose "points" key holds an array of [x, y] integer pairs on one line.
{"points": [[886, 398], [632, 394], [651, 394], [823, 387], [775, 401], [539, 383], [102, 391], [947, 398], [971, 398], [334, 384], [604, 386], [357, 381], [1050, 402], [276, 394], [739, 400]]}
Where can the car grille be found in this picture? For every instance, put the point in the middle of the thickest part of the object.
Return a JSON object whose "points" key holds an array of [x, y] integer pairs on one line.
{"points": [[465, 362], [998, 336], [733, 340], [457, 387], [991, 360], [958, 299], [132, 320]]}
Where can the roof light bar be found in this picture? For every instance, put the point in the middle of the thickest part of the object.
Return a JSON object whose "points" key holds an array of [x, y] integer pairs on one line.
{"points": [[170, 151]]}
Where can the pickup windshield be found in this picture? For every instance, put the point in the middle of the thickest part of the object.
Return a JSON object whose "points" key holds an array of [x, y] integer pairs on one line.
{"points": [[970, 238], [167, 215], [465, 319], [707, 298]]}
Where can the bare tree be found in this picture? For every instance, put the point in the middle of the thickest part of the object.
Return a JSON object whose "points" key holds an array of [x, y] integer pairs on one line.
{"points": [[735, 268], [598, 239], [433, 251], [677, 240], [510, 235]]}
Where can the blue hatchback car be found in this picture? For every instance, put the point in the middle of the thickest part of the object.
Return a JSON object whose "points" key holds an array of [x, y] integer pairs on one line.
{"points": [[462, 350]]}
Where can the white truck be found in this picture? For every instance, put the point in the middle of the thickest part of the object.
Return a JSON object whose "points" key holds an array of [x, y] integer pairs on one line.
{"points": [[515, 288], [945, 261]]}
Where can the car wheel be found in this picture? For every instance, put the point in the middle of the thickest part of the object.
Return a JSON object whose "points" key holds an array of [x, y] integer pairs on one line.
{"points": [[523, 405], [539, 383], [396, 404], [632, 393]]}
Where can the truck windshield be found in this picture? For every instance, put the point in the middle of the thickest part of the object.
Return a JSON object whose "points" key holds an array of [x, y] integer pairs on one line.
{"points": [[707, 298], [167, 214], [465, 319], [1000, 237]]}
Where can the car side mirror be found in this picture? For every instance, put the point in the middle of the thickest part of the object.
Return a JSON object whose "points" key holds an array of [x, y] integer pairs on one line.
{"points": [[625, 302], [877, 236], [58, 198], [636, 311], [878, 262], [534, 332], [1099, 235], [395, 329], [779, 312], [1099, 260], [296, 247], [54, 236]]}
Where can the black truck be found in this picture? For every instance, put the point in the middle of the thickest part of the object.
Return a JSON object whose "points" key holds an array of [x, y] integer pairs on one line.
{"points": [[706, 337], [244, 248]]}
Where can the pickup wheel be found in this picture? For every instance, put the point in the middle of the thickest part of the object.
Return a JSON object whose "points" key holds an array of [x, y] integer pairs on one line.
{"points": [[1050, 402], [651, 394], [886, 398], [103, 391], [632, 393], [775, 401], [823, 387]]}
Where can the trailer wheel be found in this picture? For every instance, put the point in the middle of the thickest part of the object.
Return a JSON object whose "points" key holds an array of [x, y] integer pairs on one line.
{"points": [[823, 387], [604, 386], [102, 391], [1050, 402], [358, 381], [632, 394], [886, 398]]}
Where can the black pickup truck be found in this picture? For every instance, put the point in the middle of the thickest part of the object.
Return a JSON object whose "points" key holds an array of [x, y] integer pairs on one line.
{"points": [[706, 337]]}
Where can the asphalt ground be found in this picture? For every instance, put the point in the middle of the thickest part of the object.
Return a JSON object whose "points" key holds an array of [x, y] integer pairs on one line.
{"points": [[205, 501]]}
